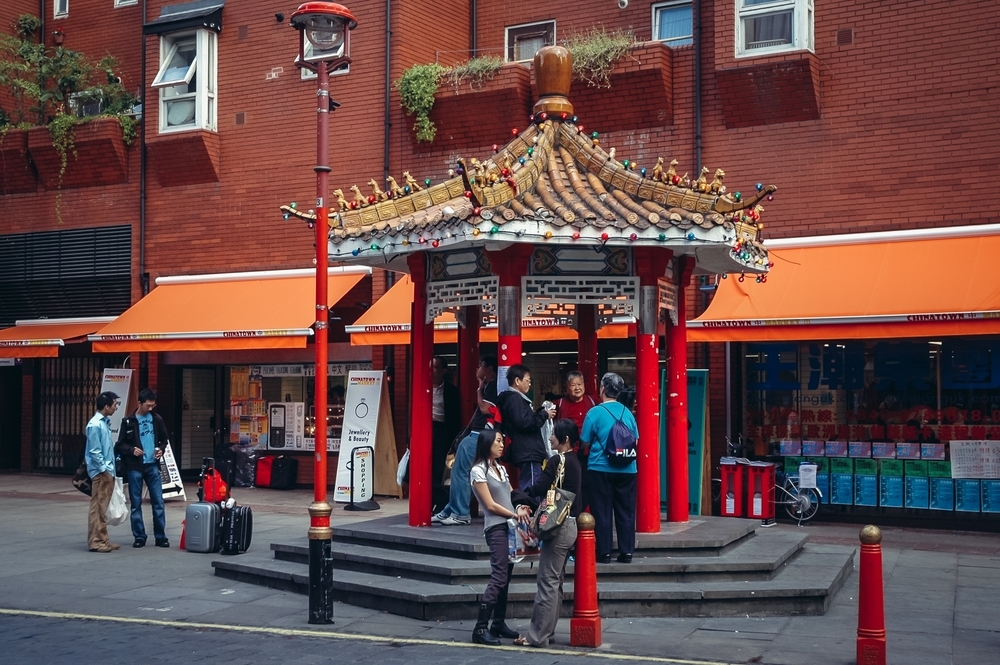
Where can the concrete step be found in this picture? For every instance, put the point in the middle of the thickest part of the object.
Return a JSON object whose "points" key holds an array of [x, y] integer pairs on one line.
{"points": [[804, 584], [756, 558], [702, 536]]}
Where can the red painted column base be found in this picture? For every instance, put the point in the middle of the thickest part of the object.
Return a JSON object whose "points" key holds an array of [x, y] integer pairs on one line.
{"points": [[585, 626]]}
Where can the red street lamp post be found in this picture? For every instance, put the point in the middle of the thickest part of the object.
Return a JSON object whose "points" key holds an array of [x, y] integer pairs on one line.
{"points": [[326, 27]]}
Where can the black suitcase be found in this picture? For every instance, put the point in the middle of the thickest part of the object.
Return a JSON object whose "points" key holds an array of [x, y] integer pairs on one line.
{"points": [[283, 473], [237, 529]]}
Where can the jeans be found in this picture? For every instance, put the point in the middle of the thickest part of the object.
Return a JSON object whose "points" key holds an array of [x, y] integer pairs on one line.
{"points": [[529, 474], [500, 565], [460, 492], [151, 475]]}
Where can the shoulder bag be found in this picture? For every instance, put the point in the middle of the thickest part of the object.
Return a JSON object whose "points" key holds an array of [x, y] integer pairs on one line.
{"points": [[554, 508]]}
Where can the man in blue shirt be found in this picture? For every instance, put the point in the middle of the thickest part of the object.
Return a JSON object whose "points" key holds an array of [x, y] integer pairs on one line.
{"points": [[100, 458], [611, 490], [141, 442]]}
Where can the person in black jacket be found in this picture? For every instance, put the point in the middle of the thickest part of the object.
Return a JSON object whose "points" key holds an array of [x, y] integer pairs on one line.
{"points": [[523, 426], [141, 442], [552, 562]]}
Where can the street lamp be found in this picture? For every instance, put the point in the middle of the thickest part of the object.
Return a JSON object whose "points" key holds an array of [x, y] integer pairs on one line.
{"points": [[326, 26]]}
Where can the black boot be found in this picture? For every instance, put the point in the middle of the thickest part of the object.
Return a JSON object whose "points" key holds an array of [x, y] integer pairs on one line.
{"points": [[499, 627], [480, 635]]}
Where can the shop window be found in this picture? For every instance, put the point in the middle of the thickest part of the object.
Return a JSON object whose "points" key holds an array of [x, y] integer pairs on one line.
{"points": [[187, 81], [60, 8], [672, 23], [524, 41], [773, 26]]}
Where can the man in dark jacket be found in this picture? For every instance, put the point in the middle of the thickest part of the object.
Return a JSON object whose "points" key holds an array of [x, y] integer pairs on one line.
{"points": [[141, 442], [523, 426]]}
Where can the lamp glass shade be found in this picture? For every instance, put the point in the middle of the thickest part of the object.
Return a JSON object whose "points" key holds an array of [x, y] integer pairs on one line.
{"points": [[325, 32]]}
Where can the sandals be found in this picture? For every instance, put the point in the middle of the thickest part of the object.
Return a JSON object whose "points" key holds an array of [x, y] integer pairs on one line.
{"points": [[521, 641]]}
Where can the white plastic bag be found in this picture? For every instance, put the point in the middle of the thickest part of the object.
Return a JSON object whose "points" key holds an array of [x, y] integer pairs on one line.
{"points": [[117, 510], [404, 463]]}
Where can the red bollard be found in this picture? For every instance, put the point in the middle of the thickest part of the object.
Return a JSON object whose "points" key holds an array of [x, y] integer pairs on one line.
{"points": [[585, 626], [871, 603]]}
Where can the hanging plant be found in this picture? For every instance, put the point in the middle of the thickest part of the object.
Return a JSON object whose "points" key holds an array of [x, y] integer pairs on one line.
{"points": [[419, 84], [595, 53], [62, 129]]}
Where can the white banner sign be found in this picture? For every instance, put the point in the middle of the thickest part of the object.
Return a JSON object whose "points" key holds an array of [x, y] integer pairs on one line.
{"points": [[118, 382], [363, 400], [170, 477], [975, 459]]}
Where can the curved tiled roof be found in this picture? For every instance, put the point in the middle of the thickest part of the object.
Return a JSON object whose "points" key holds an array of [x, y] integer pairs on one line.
{"points": [[553, 183]]}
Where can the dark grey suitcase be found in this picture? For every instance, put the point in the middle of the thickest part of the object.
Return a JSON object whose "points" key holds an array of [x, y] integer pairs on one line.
{"points": [[237, 529], [201, 523]]}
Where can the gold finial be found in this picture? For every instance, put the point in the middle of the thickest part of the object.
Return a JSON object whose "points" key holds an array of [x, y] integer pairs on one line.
{"points": [[871, 535], [585, 522], [553, 75]]}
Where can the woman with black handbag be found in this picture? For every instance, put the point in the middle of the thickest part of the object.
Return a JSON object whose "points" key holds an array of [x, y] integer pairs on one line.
{"points": [[561, 471]]}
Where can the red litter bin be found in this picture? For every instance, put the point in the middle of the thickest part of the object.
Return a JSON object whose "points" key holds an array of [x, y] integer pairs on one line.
{"points": [[760, 491], [731, 492]]}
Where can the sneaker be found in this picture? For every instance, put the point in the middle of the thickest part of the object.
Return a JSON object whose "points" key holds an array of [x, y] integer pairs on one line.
{"points": [[139, 542], [163, 543], [440, 517], [455, 520]]}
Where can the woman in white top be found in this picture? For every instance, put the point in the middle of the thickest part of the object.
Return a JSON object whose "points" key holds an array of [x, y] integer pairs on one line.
{"points": [[492, 487]]}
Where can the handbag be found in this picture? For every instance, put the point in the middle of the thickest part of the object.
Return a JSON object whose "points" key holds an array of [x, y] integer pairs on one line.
{"points": [[554, 508], [82, 481], [117, 510]]}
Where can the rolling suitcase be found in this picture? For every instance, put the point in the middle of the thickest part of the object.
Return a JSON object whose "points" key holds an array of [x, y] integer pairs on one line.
{"points": [[262, 475], [201, 524], [283, 473], [237, 529]]}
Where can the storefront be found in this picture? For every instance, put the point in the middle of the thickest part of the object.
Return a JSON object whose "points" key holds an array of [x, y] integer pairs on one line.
{"points": [[879, 370]]}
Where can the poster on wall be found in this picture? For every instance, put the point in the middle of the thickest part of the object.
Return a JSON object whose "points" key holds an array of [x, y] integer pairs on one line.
{"points": [[286, 425], [975, 459], [361, 424]]}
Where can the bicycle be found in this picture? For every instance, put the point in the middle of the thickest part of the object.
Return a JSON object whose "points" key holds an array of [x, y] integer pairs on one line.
{"points": [[801, 503]]}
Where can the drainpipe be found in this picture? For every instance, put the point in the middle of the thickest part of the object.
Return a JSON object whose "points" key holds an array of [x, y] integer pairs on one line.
{"points": [[143, 276], [696, 29], [41, 16], [388, 91], [473, 27]]}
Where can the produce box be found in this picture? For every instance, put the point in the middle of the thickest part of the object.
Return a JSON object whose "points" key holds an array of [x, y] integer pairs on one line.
{"points": [[859, 449]]}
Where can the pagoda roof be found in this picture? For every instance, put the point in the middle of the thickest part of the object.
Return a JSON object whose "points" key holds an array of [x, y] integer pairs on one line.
{"points": [[551, 183]]}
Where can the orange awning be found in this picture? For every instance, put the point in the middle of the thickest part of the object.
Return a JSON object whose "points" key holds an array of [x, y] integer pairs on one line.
{"points": [[388, 322], [264, 310], [933, 287], [42, 338]]}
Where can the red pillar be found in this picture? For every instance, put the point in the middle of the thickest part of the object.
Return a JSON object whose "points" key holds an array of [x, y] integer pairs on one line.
{"points": [[509, 265], [468, 362], [650, 265], [420, 396], [585, 626], [871, 604], [677, 403], [586, 328]]}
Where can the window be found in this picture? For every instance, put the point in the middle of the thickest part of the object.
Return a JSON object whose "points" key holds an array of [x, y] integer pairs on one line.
{"points": [[125, 3], [86, 103], [60, 8], [770, 26], [186, 81], [672, 23], [311, 55], [523, 41]]}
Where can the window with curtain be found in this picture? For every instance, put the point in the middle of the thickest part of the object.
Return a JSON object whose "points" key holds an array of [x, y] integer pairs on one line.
{"points": [[769, 26], [672, 23], [524, 41]]}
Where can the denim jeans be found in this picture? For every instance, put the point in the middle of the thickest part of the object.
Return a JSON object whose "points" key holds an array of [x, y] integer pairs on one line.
{"points": [[460, 492], [151, 475]]}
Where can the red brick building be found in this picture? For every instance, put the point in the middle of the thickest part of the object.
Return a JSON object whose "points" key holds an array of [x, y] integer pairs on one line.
{"points": [[868, 118]]}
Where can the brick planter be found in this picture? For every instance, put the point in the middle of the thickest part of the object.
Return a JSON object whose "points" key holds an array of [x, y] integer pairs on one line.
{"points": [[185, 158], [101, 156], [479, 116], [17, 173], [769, 93], [641, 93]]}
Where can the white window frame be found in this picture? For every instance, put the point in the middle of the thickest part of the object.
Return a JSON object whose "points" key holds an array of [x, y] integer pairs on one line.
{"points": [[507, 36], [60, 8], [656, 21], [204, 67], [308, 74], [125, 3], [802, 25]]}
